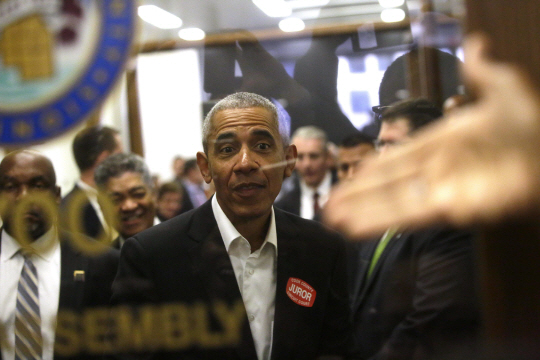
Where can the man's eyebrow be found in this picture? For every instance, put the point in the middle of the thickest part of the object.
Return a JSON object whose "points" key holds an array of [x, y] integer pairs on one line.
{"points": [[263, 133], [137, 188], [40, 178], [225, 136]]}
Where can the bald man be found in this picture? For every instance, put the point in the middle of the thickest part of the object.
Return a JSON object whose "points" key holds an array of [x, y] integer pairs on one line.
{"points": [[41, 273]]}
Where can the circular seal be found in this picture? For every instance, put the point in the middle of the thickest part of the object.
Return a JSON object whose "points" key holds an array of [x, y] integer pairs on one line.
{"points": [[58, 61]]}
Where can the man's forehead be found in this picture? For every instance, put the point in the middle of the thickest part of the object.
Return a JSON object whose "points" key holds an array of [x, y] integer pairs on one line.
{"points": [[126, 181], [29, 164], [309, 145], [255, 116]]}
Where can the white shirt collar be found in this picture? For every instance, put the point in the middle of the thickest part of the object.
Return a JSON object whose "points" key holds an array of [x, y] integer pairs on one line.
{"points": [[229, 232], [44, 246], [323, 189]]}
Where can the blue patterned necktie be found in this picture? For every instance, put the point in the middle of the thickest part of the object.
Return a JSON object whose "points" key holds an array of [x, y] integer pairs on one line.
{"points": [[28, 339]]}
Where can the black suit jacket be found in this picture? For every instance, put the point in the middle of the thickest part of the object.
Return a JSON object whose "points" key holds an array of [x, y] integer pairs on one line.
{"points": [[185, 260], [290, 199], [420, 301], [77, 295], [91, 225]]}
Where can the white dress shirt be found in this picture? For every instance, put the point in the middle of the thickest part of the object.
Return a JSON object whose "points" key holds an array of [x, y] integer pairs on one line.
{"points": [[307, 192], [47, 263], [256, 276]]}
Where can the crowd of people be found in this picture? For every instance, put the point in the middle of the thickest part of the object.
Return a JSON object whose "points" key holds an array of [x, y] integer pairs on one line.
{"points": [[241, 224]]}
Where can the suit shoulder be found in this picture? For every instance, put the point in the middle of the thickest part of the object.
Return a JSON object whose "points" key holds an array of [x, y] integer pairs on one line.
{"points": [[437, 234], [70, 194], [174, 229]]}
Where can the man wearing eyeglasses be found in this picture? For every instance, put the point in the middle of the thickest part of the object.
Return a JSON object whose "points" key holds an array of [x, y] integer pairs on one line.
{"points": [[413, 290], [400, 120]]}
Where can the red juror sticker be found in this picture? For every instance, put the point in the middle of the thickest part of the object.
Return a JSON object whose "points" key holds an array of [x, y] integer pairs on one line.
{"points": [[300, 292]]}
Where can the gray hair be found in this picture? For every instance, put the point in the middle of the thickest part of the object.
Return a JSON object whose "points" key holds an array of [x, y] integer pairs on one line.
{"points": [[243, 100], [118, 164], [312, 132]]}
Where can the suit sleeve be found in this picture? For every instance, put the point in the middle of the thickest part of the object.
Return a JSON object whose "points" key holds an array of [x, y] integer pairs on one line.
{"points": [[337, 333], [444, 314]]}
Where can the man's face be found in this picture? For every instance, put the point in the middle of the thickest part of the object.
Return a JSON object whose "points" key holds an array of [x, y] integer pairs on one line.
{"points": [[392, 133], [350, 160], [247, 162], [312, 163], [170, 204], [23, 175], [133, 201]]}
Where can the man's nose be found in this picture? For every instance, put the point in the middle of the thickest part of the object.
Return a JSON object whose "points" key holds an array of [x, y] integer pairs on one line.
{"points": [[128, 205], [350, 172], [246, 162], [23, 192]]}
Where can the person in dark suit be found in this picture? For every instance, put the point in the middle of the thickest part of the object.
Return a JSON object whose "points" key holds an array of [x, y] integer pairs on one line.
{"points": [[90, 147], [414, 292], [313, 179], [288, 274], [66, 279]]}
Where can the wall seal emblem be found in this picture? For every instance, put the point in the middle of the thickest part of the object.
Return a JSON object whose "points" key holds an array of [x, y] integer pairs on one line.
{"points": [[58, 61]]}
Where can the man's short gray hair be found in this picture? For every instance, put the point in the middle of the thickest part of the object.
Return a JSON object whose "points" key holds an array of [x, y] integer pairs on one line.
{"points": [[243, 100], [118, 164], [311, 132]]}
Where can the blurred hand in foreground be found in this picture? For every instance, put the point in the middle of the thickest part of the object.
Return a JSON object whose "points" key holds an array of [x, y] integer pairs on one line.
{"points": [[478, 165]]}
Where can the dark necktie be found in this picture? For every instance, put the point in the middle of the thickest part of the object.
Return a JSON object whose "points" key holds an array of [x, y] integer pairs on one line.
{"points": [[316, 207], [28, 340]]}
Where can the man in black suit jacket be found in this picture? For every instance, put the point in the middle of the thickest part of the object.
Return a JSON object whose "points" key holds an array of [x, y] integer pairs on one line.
{"points": [[419, 300], [193, 258], [84, 281], [90, 147], [414, 293], [313, 177]]}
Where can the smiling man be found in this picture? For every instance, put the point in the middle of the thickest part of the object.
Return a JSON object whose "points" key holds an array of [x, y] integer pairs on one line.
{"points": [[126, 181], [287, 273]]}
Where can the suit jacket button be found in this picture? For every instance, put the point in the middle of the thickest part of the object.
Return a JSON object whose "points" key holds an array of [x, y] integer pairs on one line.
{"points": [[372, 310]]}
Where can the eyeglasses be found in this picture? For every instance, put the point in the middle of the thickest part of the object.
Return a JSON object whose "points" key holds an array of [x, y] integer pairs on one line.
{"points": [[379, 144], [379, 109]]}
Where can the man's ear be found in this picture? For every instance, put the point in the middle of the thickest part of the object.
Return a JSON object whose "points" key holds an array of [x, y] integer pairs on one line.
{"points": [[290, 157], [204, 167]]}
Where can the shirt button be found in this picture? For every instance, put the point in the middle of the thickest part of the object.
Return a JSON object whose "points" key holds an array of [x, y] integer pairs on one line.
{"points": [[251, 317], [251, 271]]}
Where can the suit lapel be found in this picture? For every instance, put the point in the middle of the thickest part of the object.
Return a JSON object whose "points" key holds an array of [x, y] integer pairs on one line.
{"points": [[366, 253], [289, 264], [367, 282], [213, 265], [71, 288]]}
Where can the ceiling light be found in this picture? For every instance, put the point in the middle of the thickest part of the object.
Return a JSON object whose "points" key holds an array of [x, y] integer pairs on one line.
{"points": [[159, 17], [305, 4], [274, 8], [191, 34], [291, 24], [392, 15], [391, 3]]}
